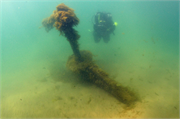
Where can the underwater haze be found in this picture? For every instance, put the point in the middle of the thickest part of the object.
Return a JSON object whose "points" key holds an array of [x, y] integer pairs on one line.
{"points": [[143, 54]]}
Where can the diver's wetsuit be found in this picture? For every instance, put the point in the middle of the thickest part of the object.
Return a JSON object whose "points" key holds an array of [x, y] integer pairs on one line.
{"points": [[103, 26]]}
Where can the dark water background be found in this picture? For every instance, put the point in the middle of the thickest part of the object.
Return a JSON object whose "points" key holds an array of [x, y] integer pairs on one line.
{"points": [[143, 54]]}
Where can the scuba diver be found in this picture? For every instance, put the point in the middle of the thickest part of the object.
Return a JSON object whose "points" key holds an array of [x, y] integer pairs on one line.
{"points": [[103, 26]]}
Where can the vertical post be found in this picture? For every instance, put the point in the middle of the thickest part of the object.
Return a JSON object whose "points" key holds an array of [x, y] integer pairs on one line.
{"points": [[72, 36]]}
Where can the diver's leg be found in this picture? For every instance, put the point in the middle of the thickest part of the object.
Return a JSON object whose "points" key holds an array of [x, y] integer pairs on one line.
{"points": [[106, 38]]}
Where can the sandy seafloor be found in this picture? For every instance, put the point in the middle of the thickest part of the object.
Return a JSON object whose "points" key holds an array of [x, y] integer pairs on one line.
{"points": [[46, 89], [35, 82]]}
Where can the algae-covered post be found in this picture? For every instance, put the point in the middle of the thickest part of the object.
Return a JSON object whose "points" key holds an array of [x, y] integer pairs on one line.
{"points": [[93, 74], [64, 18]]}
